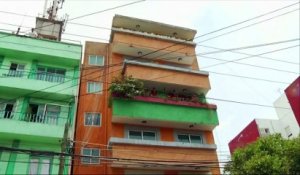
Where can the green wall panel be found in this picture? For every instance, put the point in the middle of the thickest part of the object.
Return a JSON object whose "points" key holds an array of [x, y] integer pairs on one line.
{"points": [[164, 112]]}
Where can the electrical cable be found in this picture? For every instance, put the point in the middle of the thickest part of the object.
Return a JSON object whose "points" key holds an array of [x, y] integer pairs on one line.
{"points": [[243, 58], [243, 53], [232, 31], [85, 15]]}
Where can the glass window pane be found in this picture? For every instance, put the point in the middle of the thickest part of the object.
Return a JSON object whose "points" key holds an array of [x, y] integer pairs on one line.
{"points": [[33, 169], [21, 67], [183, 138], [88, 119], [135, 135], [97, 87], [196, 139], [95, 152], [147, 135], [99, 60], [92, 60], [45, 167], [96, 120], [51, 70], [13, 66], [41, 69], [86, 151], [60, 71]]}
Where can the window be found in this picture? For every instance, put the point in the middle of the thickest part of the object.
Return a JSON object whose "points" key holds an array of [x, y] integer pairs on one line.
{"points": [[142, 135], [97, 60], [6, 109], [288, 131], [43, 113], [50, 74], [92, 154], [94, 87], [92, 119], [39, 165], [264, 131], [190, 138], [16, 70]]}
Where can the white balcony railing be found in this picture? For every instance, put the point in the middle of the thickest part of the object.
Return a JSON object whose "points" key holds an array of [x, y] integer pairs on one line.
{"points": [[47, 118]]}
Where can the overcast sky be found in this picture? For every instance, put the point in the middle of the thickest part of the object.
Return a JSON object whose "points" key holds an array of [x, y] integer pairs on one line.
{"points": [[203, 16]]}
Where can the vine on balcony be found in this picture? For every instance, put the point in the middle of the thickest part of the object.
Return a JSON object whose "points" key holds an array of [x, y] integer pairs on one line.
{"points": [[126, 87]]}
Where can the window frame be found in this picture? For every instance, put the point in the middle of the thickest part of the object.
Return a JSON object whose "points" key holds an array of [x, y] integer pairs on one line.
{"points": [[46, 74], [264, 132], [90, 158], [96, 92], [20, 71], [189, 134], [96, 57], [40, 164], [100, 119], [142, 134]]}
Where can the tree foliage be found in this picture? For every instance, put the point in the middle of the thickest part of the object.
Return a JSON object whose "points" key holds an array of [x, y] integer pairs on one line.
{"points": [[269, 155], [126, 87]]}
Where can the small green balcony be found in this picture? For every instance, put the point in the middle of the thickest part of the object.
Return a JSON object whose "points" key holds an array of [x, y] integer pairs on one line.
{"points": [[46, 128], [164, 112]]}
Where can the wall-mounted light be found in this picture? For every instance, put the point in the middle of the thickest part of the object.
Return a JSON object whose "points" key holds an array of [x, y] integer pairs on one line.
{"points": [[179, 59], [140, 53], [144, 121]]}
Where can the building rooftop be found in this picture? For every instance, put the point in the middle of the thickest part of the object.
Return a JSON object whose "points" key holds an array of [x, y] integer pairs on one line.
{"points": [[157, 28]]}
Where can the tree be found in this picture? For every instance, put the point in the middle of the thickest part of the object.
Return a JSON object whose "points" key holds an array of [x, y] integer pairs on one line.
{"points": [[268, 155]]}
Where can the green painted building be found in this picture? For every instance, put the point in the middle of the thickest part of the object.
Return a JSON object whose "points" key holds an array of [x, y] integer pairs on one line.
{"points": [[38, 88]]}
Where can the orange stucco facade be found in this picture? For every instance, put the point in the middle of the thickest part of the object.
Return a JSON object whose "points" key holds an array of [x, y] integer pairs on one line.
{"points": [[118, 157]]}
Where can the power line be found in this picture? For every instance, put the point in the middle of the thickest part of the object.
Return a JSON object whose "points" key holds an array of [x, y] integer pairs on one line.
{"points": [[101, 11], [251, 78], [149, 161], [243, 58], [239, 48], [71, 34], [232, 101], [73, 23], [233, 31], [248, 26], [247, 20], [247, 47], [243, 53]]}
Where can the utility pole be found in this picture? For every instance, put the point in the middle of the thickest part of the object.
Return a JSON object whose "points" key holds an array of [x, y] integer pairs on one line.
{"points": [[64, 142]]}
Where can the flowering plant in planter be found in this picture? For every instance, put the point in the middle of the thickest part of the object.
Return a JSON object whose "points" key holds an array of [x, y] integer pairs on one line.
{"points": [[126, 87]]}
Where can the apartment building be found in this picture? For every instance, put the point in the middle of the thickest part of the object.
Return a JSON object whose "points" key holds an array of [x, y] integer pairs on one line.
{"points": [[166, 129], [38, 87], [287, 123]]}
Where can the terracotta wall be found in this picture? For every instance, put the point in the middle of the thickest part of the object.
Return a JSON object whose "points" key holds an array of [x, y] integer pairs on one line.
{"points": [[96, 136], [168, 76]]}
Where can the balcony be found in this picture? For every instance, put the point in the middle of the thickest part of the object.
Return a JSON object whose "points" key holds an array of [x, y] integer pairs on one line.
{"points": [[48, 128], [17, 83], [161, 154], [170, 77], [134, 44], [164, 112], [47, 51]]}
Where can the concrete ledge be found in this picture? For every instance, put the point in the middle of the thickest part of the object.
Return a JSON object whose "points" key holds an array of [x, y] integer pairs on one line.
{"points": [[173, 68], [115, 140]]}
